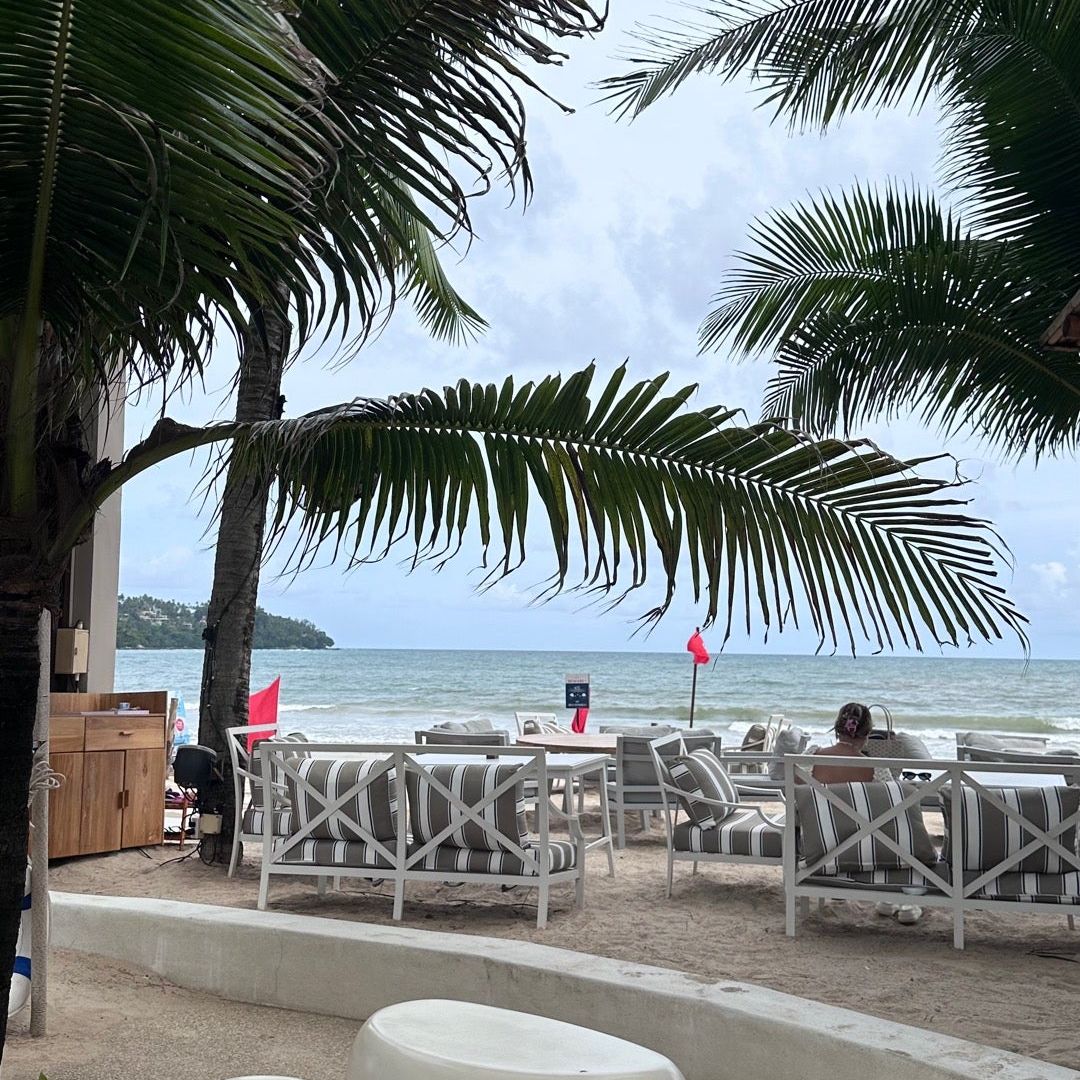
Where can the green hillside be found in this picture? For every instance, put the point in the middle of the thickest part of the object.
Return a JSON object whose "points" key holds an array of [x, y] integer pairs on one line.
{"points": [[145, 622]]}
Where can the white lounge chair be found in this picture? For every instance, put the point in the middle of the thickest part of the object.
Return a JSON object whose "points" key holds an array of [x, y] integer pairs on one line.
{"points": [[635, 786], [249, 809], [1006, 847], [403, 813], [719, 826]]}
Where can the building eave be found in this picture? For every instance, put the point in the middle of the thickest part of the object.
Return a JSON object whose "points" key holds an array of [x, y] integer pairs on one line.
{"points": [[1063, 333]]}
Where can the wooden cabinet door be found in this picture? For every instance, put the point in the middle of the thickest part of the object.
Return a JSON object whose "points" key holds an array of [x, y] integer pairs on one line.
{"points": [[144, 797], [65, 806], [102, 800]]}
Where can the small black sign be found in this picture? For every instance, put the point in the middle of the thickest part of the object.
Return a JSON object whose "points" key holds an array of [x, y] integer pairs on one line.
{"points": [[577, 691]]}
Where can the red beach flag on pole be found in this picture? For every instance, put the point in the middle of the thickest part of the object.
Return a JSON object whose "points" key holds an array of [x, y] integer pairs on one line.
{"points": [[262, 709], [701, 656]]}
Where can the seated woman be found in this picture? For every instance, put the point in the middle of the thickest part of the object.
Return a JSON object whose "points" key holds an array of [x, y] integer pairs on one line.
{"points": [[852, 728]]}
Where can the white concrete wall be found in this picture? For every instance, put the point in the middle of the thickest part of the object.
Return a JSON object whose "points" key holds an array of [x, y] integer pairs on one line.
{"points": [[712, 1030]]}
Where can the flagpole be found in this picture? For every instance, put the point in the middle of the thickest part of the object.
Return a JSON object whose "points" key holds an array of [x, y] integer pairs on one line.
{"points": [[693, 683], [693, 694]]}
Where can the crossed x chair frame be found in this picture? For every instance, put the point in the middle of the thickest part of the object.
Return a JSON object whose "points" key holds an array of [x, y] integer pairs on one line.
{"points": [[947, 888], [673, 807], [403, 856], [240, 759]]}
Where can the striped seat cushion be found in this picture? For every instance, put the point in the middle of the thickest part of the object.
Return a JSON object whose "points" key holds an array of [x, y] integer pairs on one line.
{"points": [[877, 879], [741, 833], [702, 774], [354, 853], [823, 827], [254, 765], [253, 821], [1034, 888], [430, 811], [990, 836], [448, 859], [372, 809]]}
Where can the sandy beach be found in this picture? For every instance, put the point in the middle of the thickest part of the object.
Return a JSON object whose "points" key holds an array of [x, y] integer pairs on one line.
{"points": [[1016, 986]]}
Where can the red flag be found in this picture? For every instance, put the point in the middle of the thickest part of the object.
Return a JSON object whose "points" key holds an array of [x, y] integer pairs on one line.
{"points": [[697, 647], [577, 725], [262, 709]]}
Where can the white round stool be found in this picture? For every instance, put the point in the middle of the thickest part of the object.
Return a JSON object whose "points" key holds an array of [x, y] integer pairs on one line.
{"points": [[457, 1040]]}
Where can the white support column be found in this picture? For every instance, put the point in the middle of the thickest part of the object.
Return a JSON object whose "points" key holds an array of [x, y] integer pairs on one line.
{"points": [[95, 565]]}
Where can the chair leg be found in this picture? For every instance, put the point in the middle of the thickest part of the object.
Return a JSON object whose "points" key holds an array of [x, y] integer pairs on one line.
{"points": [[1072, 922], [789, 912], [323, 882], [671, 871], [695, 866], [399, 899], [644, 821], [821, 903], [958, 929], [579, 889], [264, 890], [542, 908], [804, 906], [620, 825]]}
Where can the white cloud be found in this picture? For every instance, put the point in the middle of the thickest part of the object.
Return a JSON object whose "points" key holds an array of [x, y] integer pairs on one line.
{"points": [[1053, 576]]}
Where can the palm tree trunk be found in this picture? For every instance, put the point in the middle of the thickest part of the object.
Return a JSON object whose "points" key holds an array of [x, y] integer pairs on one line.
{"points": [[20, 611], [230, 618]]}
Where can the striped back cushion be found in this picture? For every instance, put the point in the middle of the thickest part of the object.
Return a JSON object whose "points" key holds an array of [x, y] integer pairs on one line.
{"points": [[254, 765], [430, 811], [989, 836], [822, 826], [703, 774], [372, 808]]}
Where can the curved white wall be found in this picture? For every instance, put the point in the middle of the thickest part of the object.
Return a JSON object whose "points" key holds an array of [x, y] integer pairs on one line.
{"points": [[712, 1030]]}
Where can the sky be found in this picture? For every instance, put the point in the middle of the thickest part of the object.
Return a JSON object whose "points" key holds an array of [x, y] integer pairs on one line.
{"points": [[615, 259]]}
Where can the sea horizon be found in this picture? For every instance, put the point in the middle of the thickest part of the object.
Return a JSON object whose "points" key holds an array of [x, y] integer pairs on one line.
{"points": [[370, 693]]}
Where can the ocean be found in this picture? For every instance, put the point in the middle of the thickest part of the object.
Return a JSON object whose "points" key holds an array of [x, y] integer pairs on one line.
{"points": [[385, 694]]}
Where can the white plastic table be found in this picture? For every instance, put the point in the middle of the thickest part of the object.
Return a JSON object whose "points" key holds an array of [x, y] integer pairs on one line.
{"points": [[457, 1040]]}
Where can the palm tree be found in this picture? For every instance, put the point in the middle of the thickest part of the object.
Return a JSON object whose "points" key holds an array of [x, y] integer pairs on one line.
{"points": [[128, 235], [880, 302]]}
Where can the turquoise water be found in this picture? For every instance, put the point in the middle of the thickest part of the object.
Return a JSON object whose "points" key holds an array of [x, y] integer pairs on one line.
{"points": [[387, 693]]}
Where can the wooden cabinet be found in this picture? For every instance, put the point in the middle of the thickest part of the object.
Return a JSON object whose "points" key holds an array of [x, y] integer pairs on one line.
{"points": [[65, 806], [114, 768], [144, 786], [102, 801]]}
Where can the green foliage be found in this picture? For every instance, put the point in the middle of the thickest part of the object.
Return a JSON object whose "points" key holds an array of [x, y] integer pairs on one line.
{"points": [[761, 518], [146, 622], [879, 303]]}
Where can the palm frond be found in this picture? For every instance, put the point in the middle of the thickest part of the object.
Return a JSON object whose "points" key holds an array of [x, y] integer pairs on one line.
{"points": [[874, 304], [813, 59], [179, 169], [432, 88], [1012, 112], [764, 521], [441, 309]]}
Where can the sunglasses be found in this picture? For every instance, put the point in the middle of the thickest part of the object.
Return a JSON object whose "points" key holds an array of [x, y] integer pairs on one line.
{"points": [[916, 776]]}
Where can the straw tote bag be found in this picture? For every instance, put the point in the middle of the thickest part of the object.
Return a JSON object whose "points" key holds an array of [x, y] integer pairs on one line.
{"points": [[890, 743]]}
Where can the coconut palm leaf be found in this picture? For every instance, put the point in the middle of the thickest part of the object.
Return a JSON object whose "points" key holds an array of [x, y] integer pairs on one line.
{"points": [[1012, 109], [875, 304], [767, 524], [812, 59], [432, 87], [135, 202]]}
